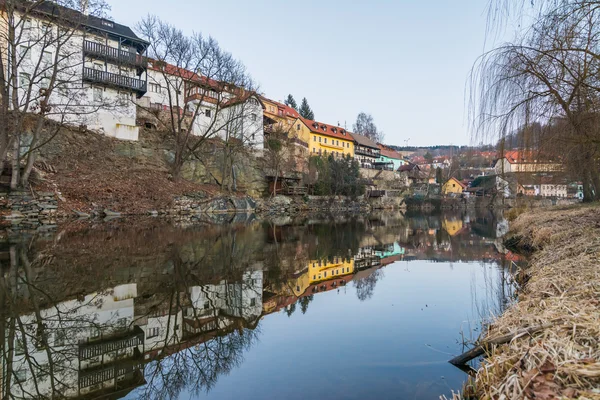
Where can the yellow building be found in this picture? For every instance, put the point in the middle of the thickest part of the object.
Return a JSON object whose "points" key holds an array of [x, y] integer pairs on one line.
{"points": [[453, 185], [323, 270], [277, 113], [324, 139]]}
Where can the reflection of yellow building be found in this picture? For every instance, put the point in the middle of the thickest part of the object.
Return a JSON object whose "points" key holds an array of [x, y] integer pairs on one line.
{"points": [[322, 270], [452, 226], [280, 113], [324, 139]]}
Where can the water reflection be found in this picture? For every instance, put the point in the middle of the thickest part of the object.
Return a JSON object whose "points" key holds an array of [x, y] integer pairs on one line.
{"points": [[154, 311]]}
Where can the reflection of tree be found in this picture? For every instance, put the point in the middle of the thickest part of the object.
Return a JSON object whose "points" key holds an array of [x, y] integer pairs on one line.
{"points": [[304, 302], [365, 287], [290, 309]]}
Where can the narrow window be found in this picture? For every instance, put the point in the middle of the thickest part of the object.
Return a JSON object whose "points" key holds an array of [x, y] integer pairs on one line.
{"points": [[97, 94], [24, 80], [207, 112]]}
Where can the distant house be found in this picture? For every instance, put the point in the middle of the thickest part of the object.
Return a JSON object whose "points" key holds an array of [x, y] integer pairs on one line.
{"points": [[491, 185], [525, 161], [453, 185], [390, 158], [366, 151], [413, 174]]}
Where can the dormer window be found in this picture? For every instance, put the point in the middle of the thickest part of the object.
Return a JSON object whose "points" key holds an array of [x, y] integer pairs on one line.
{"points": [[108, 23]]}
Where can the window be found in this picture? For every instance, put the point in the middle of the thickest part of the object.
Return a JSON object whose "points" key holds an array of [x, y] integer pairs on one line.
{"points": [[46, 58], [314, 137], [24, 80], [45, 83], [59, 337], [154, 88], [325, 274], [319, 140], [314, 150], [337, 142], [314, 277], [152, 332], [21, 375], [123, 98], [47, 31], [325, 140], [298, 127], [94, 332], [97, 94], [252, 302], [24, 54], [207, 112], [27, 26], [108, 23], [253, 117], [206, 305]]}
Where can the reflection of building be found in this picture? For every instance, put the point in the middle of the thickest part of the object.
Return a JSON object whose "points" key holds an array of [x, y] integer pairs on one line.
{"points": [[321, 270], [94, 345], [452, 226], [215, 306]]}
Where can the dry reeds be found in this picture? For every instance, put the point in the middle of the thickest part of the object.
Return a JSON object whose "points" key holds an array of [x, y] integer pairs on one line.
{"points": [[563, 289]]}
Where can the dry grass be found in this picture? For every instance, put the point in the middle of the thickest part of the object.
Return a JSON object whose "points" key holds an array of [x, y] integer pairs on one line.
{"points": [[563, 361]]}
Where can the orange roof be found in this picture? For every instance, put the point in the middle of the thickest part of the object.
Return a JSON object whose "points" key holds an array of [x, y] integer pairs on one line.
{"points": [[287, 111], [515, 156], [327, 130], [389, 153], [462, 185], [183, 73]]}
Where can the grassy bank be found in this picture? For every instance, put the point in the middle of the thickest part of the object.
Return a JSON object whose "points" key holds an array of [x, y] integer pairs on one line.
{"points": [[562, 291]]}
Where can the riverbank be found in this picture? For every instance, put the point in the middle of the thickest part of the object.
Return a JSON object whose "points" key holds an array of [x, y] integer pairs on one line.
{"points": [[561, 295]]}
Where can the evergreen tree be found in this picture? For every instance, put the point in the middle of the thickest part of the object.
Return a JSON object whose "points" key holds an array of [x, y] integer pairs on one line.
{"points": [[291, 102], [305, 110]]}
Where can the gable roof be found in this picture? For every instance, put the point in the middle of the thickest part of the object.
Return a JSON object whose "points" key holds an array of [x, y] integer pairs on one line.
{"points": [[327, 130], [364, 141], [462, 185], [52, 10], [285, 109], [389, 153], [525, 157]]}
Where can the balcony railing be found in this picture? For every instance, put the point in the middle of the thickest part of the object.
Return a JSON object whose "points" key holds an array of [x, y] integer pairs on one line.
{"points": [[366, 152], [104, 346], [114, 54], [300, 142], [109, 373], [114, 80]]}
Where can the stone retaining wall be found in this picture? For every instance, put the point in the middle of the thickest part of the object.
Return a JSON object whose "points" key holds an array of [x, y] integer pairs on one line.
{"points": [[29, 209]]}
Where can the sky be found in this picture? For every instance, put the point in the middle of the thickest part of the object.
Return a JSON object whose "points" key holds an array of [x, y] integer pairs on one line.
{"points": [[406, 62]]}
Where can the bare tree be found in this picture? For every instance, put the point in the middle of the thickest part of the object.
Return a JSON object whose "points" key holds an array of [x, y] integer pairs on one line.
{"points": [[40, 76], [197, 92], [365, 125], [549, 77]]}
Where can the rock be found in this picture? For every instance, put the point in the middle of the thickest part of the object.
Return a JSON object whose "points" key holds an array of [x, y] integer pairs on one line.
{"points": [[153, 213], [80, 214], [110, 213]]}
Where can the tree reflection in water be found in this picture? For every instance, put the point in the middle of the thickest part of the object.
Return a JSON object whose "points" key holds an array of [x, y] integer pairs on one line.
{"points": [[159, 310]]}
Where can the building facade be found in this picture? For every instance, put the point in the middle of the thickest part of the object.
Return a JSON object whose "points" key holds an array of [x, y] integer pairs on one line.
{"points": [[82, 70], [454, 186], [366, 151], [324, 139]]}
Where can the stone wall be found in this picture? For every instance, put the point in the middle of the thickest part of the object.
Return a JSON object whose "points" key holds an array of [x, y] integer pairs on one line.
{"points": [[28, 209]]}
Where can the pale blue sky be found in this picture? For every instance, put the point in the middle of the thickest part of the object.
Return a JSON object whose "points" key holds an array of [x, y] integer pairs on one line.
{"points": [[406, 61]]}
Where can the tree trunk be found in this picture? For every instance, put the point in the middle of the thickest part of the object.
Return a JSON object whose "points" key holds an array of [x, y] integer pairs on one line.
{"points": [[16, 166]]}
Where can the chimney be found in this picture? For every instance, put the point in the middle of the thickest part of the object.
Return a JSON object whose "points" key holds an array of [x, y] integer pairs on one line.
{"points": [[84, 7]]}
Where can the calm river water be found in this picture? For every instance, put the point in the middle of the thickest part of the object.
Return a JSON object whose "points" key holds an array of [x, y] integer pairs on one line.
{"points": [[365, 307]]}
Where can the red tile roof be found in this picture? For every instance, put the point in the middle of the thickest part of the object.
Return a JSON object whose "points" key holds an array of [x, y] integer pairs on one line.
{"points": [[327, 130], [516, 157], [389, 153], [286, 110], [183, 73]]}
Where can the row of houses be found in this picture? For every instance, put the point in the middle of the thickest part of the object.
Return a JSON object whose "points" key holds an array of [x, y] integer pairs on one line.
{"points": [[96, 73]]}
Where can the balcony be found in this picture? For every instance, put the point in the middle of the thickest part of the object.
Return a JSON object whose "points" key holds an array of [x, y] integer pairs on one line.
{"points": [[114, 80], [108, 373], [200, 97], [366, 152], [103, 346], [115, 55]]}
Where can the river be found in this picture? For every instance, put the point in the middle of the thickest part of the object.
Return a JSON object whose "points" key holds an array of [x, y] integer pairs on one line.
{"points": [[323, 307]]}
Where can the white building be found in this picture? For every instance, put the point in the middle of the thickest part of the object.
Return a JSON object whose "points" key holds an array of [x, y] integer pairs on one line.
{"points": [[92, 342], [553, 190], [87, 70], [212, 108]]}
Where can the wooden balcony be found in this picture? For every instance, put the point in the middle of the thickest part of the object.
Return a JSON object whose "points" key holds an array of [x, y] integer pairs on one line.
{"points": [[114, 80], [110, 372], [130, 339], [115, 55]]}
